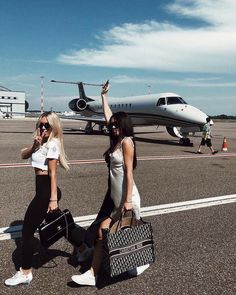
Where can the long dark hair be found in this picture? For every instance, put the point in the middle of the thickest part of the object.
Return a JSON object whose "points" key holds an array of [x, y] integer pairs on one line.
{"points": [[125, 124]]}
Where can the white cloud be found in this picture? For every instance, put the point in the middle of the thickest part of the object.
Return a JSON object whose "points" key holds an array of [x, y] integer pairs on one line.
{"points": [[219, 13], [124, 79], [211, 82], [168, 47], [18, 82]]}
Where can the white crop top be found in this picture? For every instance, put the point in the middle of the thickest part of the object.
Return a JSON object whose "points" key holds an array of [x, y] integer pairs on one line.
{"points": [[49, 150]]}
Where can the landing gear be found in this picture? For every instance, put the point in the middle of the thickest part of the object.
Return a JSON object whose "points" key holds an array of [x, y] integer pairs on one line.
{"points": [[103, 129], [185, 141], [88, 128]]}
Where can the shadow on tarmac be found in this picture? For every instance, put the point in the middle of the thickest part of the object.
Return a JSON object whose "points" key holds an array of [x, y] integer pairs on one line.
{"points": [[81, 132], [43, 257], [103, 280], [74, 131], [16, 132], [156, 141], [191, 152]]}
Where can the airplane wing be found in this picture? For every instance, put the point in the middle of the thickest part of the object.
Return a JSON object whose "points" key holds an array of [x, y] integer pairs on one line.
{"points": [[94, 119], [97, 119]]}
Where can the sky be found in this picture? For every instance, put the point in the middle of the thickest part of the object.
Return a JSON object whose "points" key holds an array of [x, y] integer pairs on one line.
{"points": [[142, 46]]}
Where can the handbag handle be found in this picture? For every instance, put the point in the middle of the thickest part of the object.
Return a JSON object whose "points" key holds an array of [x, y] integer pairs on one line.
{"points": [[59, 212], [122, 216], [51, 214], [67, 230]]}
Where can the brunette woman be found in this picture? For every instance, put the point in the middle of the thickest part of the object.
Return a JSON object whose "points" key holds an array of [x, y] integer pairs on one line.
{"points": [[121, 156]]}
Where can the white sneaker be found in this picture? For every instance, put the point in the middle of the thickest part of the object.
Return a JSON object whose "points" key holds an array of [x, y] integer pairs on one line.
{"points": [[138, 270], [19, 278], [86, 278], [85, 255]]}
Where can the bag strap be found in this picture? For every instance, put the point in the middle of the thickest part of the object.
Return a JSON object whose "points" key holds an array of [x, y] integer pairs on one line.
{"points": [[66, 221], [122, 216]]}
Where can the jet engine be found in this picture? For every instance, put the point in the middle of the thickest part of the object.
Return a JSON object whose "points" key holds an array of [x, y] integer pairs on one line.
{"points": [[78, 104]]}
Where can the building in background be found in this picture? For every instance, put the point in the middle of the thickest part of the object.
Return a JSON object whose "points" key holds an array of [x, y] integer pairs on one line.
{"points": [[11, 103]]}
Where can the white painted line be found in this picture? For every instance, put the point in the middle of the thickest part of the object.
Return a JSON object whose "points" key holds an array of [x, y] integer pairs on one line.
{"points": [[15, 231], [141, 158]]}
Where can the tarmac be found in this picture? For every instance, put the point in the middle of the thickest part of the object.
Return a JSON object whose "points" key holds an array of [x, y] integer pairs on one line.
{"points": [[194, 245]]}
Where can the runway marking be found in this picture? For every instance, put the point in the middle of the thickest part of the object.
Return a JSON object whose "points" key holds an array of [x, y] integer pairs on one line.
{"points": [[141, 158], [13, 232]]}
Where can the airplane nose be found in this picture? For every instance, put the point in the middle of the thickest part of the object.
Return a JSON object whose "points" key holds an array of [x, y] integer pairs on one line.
{"points": [[195, 115]]}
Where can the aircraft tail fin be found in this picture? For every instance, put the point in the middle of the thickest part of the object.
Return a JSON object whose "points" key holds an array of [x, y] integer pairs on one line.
{"points": [[82, 92]]}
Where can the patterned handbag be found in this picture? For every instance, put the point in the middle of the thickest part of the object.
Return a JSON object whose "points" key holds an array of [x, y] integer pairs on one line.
{"points": [[56, 225], [127, 244]]}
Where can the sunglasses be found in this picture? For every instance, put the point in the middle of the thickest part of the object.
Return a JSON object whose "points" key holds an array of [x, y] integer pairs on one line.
{"points": [[46, 126], [114, 125]]}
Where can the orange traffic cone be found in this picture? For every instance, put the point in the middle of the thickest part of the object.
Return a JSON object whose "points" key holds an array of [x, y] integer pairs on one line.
{"points": [[224, 145]]}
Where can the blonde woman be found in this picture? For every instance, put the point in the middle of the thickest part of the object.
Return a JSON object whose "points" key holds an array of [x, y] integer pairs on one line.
{"points": [[47, 149]]}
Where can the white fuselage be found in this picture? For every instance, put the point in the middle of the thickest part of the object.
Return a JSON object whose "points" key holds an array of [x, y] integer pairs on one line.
{"points": [[144, 110]]}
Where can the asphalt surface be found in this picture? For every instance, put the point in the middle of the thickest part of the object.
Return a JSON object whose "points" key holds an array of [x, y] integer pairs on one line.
{"points": [[195, 249]]}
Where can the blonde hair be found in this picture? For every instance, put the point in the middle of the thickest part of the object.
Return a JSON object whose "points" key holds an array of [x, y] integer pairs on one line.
{"points": [[56, 132]]}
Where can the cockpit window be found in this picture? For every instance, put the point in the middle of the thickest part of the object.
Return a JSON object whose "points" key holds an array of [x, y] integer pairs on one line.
{"points": [[161, 101], [175, 100]]}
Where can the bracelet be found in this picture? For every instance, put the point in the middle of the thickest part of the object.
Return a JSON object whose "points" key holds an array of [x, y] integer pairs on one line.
{"points": [[53, 200]]}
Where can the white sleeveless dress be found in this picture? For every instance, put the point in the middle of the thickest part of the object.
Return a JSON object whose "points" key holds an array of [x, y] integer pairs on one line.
{"points": [[118, 183]]}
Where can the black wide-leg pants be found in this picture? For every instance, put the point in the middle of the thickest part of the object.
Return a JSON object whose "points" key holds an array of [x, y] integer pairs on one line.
{"points": [[35, 214]]}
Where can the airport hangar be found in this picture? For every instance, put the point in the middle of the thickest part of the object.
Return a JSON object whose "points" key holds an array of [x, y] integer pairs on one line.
{"points": [[12, 102]]}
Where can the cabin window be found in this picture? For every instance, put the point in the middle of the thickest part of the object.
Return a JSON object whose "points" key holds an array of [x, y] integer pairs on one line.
{"points": [[175, 100], [161, 101]]}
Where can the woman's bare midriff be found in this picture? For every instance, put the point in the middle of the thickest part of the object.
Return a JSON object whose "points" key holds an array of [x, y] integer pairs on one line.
{"points": [[40, 171]]}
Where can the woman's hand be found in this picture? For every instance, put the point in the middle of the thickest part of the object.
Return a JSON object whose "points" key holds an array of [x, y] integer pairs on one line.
{"points": [[128, 206], [106, 108], [53, 205], [38, 139], [105, 88]]}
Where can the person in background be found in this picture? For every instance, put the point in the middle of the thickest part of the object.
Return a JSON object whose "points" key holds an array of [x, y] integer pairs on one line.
{"points": [[121, 158], [47, 149], [206, 137]]}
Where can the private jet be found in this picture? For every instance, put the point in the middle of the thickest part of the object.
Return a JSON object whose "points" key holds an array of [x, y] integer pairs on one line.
{"points": [[165, 109]]}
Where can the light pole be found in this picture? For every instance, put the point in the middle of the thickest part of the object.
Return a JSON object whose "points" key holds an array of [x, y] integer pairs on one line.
{"points": [[42, 99]]}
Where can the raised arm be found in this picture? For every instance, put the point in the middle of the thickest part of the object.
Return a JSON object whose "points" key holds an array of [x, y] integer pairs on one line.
{"points": [[27, 152], [106, 109]]}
